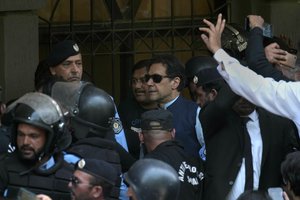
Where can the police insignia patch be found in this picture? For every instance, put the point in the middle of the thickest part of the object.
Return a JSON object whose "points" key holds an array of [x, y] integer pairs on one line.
{"points": [[75, 47], [117, 126], [81, 163], [195, 79]]}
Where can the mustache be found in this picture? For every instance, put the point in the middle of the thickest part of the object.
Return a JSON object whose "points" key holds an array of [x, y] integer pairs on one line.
{"points": [[26, 147]]}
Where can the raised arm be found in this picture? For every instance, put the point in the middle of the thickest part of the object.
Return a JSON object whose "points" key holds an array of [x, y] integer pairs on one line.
{"points": [[262, 59], [281, 98]]}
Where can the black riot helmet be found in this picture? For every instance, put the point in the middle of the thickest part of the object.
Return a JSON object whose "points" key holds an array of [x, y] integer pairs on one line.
{"points": [[235, 40], [153, 179], [41, 111], [91, 109]]}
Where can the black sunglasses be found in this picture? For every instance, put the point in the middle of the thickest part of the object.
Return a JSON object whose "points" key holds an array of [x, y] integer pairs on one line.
{"points": [[155, 77]]}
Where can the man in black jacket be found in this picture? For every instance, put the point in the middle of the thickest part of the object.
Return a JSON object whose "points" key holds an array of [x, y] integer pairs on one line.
{"points": [[158, 136], [272, 137]]}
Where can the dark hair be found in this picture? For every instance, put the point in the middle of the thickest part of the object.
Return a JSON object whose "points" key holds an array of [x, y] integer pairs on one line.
{"points": [[42, 75], [140, 64], [174, 68], [254, 195], [107, 187], [290, 171]]}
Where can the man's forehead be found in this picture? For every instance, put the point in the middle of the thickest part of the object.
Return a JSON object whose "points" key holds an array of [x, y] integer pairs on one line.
{"points": [[139, 73], [29, 127]]}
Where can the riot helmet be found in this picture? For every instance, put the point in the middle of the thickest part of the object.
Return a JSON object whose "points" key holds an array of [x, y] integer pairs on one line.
{"points": [[41, 111], [235, 40], [91, 109], [153, 179]]}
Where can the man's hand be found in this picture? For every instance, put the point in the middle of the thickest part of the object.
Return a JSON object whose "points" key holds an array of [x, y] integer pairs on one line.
{"points": [[274, 54], [213, 33], [255, 21]]}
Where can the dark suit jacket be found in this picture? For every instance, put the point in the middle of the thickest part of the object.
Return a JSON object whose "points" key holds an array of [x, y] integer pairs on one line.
{"points": [[224, 145], [256, 58]]}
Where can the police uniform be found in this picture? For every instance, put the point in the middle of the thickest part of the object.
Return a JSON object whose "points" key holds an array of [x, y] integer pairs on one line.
{"points": [[49, 173], [101, 149], [14, 174], [190, 170]]}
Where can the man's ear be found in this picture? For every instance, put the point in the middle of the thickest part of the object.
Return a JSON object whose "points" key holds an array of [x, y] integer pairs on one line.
{"points": [[52, 71], [97, 191], [212, 94], [175, 83]]}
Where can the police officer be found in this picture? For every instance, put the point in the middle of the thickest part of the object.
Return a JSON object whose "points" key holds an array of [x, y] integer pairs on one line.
{"points": [[64, 63], [203, 78], [158, 135], [93, 125], [93, 179], [37, 164], [151, 179]]}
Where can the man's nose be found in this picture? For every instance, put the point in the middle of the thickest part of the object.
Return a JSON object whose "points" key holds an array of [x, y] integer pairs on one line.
{"points": [[75, 67], [150, 82], [26, 140]]}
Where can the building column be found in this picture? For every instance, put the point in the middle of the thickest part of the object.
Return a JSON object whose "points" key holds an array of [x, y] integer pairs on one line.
{"points": [[19, 46]]}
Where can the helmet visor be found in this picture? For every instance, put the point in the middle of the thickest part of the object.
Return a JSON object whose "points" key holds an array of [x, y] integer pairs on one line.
{"points": [[67, 94], [46, 107]]}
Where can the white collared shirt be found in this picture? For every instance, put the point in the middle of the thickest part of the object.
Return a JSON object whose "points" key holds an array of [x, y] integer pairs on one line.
{"points": [[256, 149]]}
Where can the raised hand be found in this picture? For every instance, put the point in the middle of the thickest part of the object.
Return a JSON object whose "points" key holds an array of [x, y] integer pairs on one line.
{"points": [[212, 34], [255, 21], [274, 54]]}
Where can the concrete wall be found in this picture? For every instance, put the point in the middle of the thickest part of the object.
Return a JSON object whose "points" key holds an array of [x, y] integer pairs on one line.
{"points": [[18, 46]]}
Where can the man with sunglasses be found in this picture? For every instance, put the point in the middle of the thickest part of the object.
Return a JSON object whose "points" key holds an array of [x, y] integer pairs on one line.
{"points": [[166, 79], [93, 179]]}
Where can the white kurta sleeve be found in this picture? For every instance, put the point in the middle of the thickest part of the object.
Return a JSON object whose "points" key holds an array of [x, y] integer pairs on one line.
{"points": [[281, 98]]}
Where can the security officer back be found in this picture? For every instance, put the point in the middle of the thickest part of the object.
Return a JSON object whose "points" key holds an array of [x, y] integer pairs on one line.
{"points": [[157, 127]]}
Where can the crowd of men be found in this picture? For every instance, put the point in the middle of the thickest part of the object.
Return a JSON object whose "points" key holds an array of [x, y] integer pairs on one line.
{"points": [[237, 138]]}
